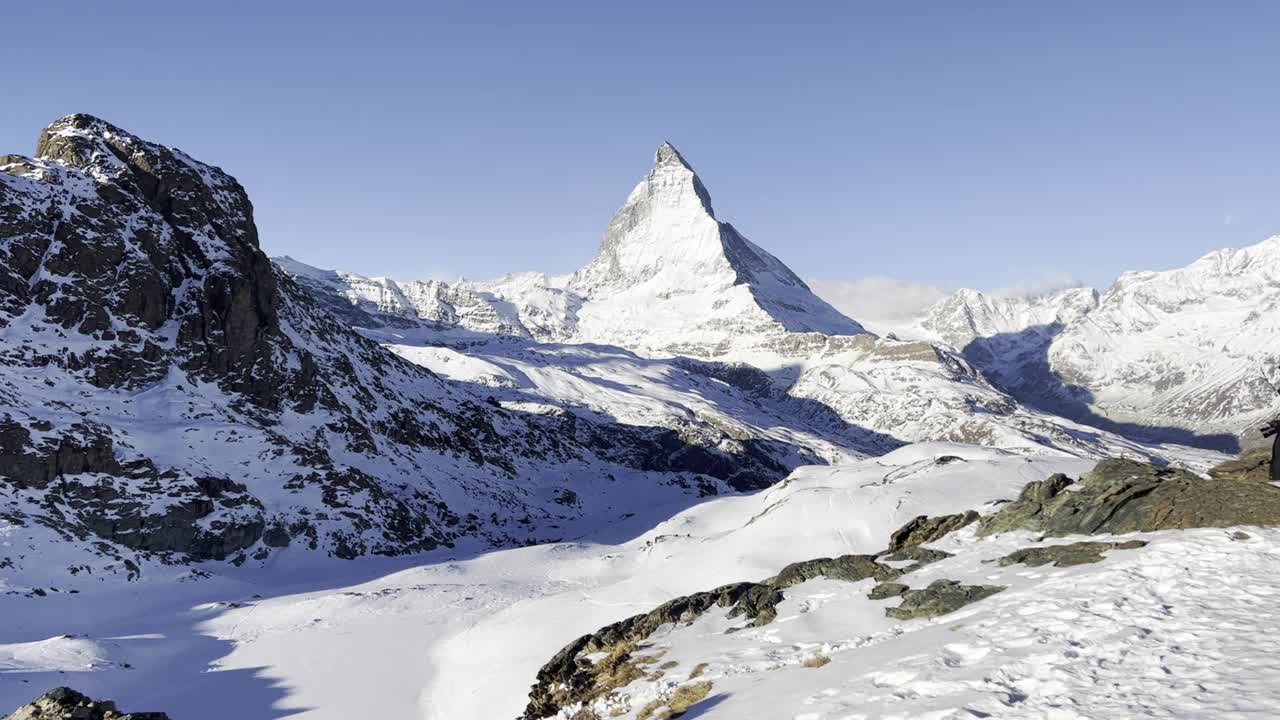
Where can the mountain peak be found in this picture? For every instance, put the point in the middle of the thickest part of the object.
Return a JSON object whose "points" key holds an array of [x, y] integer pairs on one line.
{"points": [[666, 247], [668, 155]]}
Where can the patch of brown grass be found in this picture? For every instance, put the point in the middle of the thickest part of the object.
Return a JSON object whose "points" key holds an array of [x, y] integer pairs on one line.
{"points": [[817, 661], [685, 697]]}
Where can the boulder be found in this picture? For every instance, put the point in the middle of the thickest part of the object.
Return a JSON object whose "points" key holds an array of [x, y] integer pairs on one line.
{"points": [[1080, 553], [1124, 496], [924, 529], [66, 704], [940, 598]]}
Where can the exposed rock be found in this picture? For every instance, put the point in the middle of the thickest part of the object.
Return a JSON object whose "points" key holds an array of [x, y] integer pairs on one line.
{"points": [[1124, 496], [66, 704], [887, 590], [924, 529], [1254, 465], [570, 677], [851, 568], [1080, 553], [940, 598], [920, 556]]}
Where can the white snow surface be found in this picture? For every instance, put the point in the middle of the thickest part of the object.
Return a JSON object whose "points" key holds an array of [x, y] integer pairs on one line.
{"points": [[1169, 630], [1192, 348]]}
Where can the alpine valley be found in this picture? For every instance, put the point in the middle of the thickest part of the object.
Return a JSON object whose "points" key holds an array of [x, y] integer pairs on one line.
{"points": [[675, 483]]}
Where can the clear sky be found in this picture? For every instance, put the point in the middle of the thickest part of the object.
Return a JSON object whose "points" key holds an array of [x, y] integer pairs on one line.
{"points": [[975, 144]]}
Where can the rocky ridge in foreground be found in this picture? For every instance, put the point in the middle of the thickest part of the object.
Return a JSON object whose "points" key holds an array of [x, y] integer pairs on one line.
{"points": [[66, 704], [590, 677]]}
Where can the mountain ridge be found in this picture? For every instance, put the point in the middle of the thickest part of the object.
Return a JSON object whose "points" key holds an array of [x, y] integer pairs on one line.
{"points": [[1183, 350]]}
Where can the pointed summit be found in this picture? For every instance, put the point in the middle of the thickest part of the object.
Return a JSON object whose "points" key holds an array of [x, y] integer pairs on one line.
{"points": [[665, 248], [668, 155]]}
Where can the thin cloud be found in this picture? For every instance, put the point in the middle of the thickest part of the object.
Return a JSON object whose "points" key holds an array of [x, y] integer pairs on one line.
{"points": [[878, 300]]}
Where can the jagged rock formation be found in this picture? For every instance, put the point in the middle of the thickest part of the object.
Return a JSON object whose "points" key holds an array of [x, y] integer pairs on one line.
{"points": [[66, 704], [572, 677], [1254, 465], [924, 529]]}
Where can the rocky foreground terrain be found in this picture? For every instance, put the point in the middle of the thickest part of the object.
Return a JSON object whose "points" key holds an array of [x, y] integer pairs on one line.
{"points": [[660, 664], [67, 704]]}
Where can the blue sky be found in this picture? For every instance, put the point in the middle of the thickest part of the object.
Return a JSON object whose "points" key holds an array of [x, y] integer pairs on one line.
{"points": [[957, 144]]}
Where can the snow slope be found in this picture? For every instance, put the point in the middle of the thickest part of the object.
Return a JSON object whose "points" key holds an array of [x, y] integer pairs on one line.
{"points": [[440, 638]]}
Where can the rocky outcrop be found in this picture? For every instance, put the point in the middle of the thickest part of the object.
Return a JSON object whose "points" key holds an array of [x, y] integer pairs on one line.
{"points": [[924, 529], [66, 704], [571, 677], [1116, 497], [1080, 553], [1123, 496], [1254, 466], [939, 598]]}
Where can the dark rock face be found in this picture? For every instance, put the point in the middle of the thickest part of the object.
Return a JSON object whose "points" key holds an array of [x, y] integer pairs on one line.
{"points": [[924, 529], [940, 598], [66, 704], [1123, 496], [101, 205], [1080, 553], [85, 485]]}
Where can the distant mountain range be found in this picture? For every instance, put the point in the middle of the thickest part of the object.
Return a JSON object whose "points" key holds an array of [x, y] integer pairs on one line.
{"points": [[232, 406], [1187, 355]]}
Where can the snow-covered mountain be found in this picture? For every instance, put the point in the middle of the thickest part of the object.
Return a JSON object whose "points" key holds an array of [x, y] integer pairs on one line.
{"points": [[201, 454], [166, 394], [674, 288], [670, 276], [1186, 355]]}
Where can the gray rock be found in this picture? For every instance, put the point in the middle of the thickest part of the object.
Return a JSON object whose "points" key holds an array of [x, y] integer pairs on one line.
{"points": [[570, 677], [66, 704], [1254, 465], [1079, 553], [924, 529], [919, 556], [887, 590], [940, 598], [1124, 496]]}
